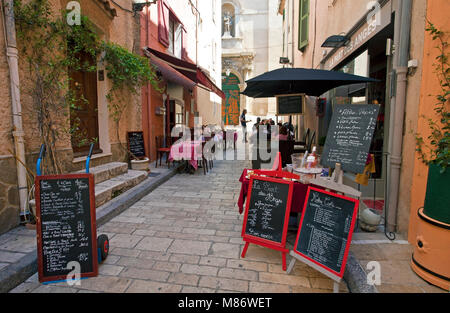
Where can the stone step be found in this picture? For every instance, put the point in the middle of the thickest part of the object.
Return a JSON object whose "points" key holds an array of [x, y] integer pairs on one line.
{"points": [[106, 171], [113, 187]]}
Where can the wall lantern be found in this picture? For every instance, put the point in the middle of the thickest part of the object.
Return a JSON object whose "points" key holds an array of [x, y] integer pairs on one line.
{"points": [[335, 41], [284, 60], [138, 5]]}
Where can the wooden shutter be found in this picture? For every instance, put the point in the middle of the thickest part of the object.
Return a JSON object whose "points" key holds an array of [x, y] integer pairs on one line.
{"points": [[184, 53], [303, 27], [163, 23]]}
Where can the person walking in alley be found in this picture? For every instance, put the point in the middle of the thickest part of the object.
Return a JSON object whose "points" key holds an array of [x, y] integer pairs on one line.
{"points": [[244, 125]]}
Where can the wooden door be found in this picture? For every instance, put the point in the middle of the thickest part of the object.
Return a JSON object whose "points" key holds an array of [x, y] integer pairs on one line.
{"points": [[84, 115]]}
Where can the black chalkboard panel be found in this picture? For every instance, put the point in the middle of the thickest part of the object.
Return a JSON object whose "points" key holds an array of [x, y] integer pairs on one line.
{"points": [[268, 209], [66, 231], [326, 229], [291, 105], [350, 136], [136, 144]]}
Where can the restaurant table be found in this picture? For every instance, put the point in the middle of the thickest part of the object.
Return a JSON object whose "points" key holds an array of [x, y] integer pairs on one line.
{"points": [[298, 196], [190, 151]]}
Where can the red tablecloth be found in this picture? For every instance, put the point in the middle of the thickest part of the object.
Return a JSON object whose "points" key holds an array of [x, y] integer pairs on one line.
{"points": [[187, 150], [298, 196]]}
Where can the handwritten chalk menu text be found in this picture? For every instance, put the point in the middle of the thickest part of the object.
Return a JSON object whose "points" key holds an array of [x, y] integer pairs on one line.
{"points": [[326, 229], [66, 231], [136, 144], [267, 210], [350, 136]]}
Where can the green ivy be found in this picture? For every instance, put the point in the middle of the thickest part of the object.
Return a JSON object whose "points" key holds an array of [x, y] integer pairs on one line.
{"points": [[127, 72], [437, 151], [50, 48]]}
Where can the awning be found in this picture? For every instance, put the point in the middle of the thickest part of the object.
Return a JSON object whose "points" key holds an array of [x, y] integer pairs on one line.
{"points": [[187, 69], [169, 73]]}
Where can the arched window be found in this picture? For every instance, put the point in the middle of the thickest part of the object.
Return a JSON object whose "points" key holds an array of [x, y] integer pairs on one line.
{"points": [[228, 20]]}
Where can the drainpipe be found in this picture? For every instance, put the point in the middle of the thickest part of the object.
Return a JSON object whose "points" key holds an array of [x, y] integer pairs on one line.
{"points": [[399, 111], [18, 133]]}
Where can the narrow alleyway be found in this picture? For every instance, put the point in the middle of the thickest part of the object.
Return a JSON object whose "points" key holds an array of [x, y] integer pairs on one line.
{"points": [[186, 237]]}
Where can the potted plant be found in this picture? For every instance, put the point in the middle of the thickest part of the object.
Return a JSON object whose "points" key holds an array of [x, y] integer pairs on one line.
{"points": [[436, 151], [431, 256]]}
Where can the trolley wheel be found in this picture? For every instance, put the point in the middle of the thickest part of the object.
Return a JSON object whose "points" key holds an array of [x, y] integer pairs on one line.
{"points": [[103, 247]]}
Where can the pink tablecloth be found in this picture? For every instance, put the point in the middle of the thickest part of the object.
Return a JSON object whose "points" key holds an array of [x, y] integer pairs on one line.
{"points": [[298, 197], [187, 150]]}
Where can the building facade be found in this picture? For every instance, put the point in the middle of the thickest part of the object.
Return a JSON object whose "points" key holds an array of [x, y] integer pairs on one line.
{"points": [[251, 46], [20, 143], [181, 40], [385, 40]]}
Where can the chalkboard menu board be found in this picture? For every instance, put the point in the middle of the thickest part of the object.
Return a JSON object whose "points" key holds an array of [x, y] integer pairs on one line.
{"points": [[66, 231], [268, 207], [350, 136], [291, 104], [326, 229], [136, 144]]}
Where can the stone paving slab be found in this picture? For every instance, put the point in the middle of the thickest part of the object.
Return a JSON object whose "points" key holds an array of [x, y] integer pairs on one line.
{"points": [[177, 242], [18, 257]]}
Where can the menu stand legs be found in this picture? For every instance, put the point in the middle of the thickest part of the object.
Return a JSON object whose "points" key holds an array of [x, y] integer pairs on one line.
{"points": [[284, 261], [245, 249], [291, 266], [335, 287]]}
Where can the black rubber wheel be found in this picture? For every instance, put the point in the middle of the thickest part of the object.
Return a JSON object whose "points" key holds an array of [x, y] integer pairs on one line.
{"points": [[103, 246]]}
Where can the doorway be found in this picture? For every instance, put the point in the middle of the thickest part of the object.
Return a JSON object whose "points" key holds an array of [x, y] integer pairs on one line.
{"points": [[84, 112]]}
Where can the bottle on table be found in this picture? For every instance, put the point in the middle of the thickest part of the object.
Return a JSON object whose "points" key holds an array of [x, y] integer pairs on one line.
{"points": [[311, 161]]}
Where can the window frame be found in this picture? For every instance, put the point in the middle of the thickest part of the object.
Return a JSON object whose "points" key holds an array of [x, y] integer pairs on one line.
{"points": [[303, 15]]}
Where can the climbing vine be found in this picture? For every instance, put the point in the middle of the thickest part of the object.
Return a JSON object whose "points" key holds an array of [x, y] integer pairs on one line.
{"points": [[437, 151], [49, 50], [127, 73]]}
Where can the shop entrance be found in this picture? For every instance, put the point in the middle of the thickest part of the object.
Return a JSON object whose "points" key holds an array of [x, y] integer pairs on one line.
{"points": [[369, 61]]}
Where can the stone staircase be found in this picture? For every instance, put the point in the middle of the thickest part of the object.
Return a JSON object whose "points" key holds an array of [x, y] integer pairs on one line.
{"points": [[111, 179]]}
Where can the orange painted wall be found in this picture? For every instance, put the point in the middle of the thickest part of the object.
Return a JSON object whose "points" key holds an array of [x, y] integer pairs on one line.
{"points": [[437, 13], [153, 124]]}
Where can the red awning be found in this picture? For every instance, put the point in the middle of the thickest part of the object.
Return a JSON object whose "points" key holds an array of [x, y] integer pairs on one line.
{"points": [[187, 69], [169, 72]]}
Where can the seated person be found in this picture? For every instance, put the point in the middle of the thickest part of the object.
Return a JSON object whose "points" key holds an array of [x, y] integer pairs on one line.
{"points": [[284, 134]]}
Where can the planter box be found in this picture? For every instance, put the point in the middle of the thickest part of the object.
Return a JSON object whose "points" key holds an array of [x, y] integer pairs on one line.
{"points": [[437, 200]]}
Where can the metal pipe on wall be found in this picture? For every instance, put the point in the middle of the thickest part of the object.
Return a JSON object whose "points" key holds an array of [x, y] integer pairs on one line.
{"points": [[398, 109], [18, 133]]}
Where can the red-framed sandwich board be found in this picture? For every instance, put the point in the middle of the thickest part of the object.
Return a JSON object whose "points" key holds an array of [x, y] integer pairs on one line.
{"points": [[92, 223], [275, 245], [314, 263]]}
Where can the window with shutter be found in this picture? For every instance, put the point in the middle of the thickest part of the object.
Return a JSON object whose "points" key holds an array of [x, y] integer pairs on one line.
{"points": [[303, 27], [163, 21]]}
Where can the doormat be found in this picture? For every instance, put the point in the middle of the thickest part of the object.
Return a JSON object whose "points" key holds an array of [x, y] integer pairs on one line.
{"points": [[153, 174]]}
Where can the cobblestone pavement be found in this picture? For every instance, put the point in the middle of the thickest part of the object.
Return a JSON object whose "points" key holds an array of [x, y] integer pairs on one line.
{"points": [[186, 237]]}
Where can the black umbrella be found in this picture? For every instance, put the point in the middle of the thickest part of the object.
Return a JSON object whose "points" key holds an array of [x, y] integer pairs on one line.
{"points": [[299, 80]]}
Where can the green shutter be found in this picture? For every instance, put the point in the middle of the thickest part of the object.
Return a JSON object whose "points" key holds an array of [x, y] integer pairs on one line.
{"points": [[303, 25]]}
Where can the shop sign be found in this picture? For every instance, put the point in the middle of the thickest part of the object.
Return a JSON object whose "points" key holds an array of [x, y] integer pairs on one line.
{"points": [[362, 35]]}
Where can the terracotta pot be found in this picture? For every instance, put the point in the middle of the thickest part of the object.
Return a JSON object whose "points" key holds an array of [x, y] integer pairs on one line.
{"points": [[140, 165], [431, 258]]}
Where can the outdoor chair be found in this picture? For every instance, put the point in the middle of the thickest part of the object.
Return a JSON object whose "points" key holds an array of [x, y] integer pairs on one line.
{"points": [[161, 150], [308, 146]]}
